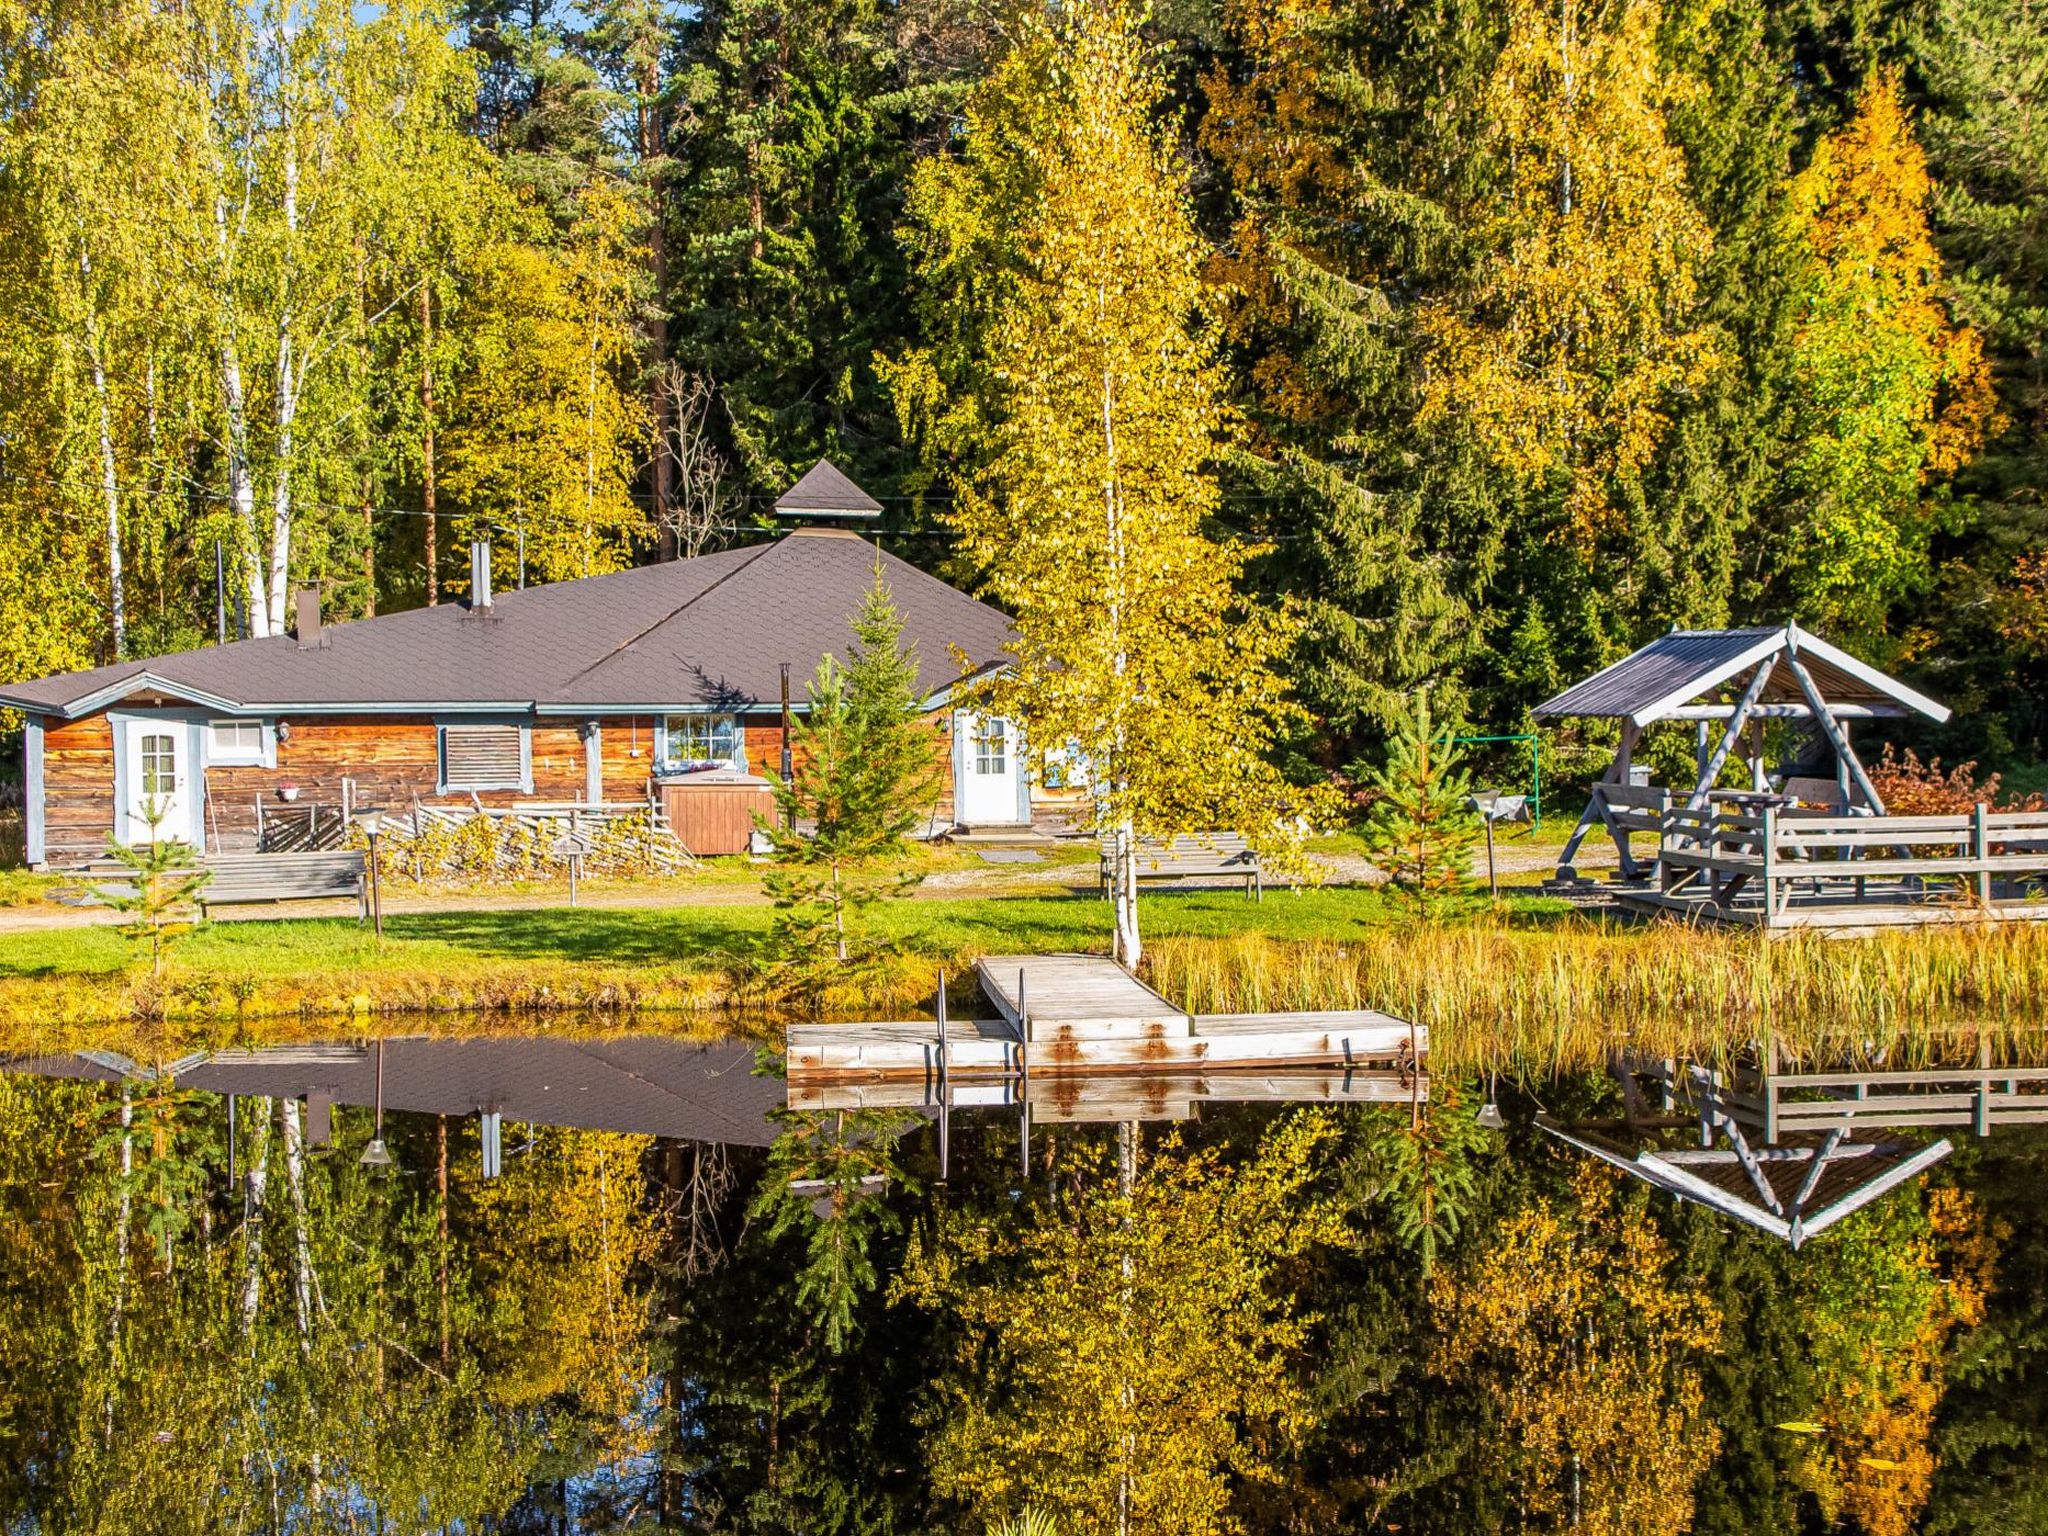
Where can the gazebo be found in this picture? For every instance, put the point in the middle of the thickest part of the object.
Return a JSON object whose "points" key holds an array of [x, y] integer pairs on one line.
{"points": [[1728, 682], [1809, 1165]]}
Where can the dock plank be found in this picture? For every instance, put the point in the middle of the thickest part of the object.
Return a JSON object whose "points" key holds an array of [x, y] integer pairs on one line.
{"points": [[1076, 997]]}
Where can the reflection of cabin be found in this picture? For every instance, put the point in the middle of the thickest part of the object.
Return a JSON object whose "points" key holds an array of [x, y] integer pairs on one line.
{"points": [[643, 1085], [1791, 1153], [1809, 844], [655, 687]]}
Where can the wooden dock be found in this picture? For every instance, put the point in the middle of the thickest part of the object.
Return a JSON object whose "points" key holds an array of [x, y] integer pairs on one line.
{"points": [[1064, 1015], [1078, 1099]]}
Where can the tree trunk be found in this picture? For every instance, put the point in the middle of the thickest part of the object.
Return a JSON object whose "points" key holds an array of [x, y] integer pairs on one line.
{"points": [[252, 1218], [838, 913], [441, 1255], [123, 1213], [110, 484], [660, 407], [1128, 948], [289, 377], [427, 501], [302, 1243]]}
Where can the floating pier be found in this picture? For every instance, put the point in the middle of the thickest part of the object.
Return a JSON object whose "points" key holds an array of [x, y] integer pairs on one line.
{"points": [[1117, 1096], [1074, 1015]]}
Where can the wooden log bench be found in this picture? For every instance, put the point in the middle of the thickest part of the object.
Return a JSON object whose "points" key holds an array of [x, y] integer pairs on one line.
{"points": [[1205, 855], [244, 879]]}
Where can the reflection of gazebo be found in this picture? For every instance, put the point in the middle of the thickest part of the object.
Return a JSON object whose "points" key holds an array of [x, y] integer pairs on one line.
{"points": [[1728, 682], [1791, 1182], [1792, 1190]]}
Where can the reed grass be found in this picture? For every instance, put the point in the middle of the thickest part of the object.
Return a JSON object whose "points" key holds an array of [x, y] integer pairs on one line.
{"points": [[1505, 992], [1502, 998]]}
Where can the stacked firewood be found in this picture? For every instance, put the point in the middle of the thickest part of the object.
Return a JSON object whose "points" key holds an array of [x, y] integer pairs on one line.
{"points": [[532, 841]]}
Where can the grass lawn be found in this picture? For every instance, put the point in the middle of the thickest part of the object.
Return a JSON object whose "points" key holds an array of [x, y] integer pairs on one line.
{"points": [[1529, 980], [307, 949]]}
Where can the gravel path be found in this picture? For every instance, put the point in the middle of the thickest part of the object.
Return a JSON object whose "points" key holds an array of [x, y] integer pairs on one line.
{"points": [[1523, 866]]}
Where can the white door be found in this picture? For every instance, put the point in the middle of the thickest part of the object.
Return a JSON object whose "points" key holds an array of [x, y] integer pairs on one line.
{"points": [[991, 775], [159, 774]]}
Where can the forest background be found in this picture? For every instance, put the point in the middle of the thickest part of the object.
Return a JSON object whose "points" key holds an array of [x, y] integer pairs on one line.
{"points": [[1550, 325]]}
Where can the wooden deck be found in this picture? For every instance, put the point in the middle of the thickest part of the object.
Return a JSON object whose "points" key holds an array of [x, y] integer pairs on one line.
{"points": [[1847, 874], [1076, 996]]}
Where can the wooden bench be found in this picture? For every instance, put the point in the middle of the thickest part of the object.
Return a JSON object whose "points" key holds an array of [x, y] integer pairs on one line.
{"points": [[241, 879], [1186, 858]]}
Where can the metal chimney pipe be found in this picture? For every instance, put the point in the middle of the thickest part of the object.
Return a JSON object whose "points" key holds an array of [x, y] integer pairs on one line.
{"points": [[308, 615], [480, 574]]}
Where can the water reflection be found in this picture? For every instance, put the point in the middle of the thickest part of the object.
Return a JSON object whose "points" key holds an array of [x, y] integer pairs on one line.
{"points": [[672, 1300]]}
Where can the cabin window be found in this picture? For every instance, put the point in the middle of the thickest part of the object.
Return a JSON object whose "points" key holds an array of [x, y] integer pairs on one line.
{"points": [[485, 756], [991, 745], [232, 743], [693, 741]]}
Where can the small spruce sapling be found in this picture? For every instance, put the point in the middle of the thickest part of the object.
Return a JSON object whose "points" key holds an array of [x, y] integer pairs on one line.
{"points": [[1421, 828], [828, 1180], [164, 882], [863, 767]]}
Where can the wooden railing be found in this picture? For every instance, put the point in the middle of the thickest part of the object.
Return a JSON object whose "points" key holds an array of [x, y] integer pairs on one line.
{"points": [[1635, 807], [1727, 849]]}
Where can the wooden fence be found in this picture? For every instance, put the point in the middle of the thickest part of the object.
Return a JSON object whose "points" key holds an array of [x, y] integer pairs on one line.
{"points": [[1789, 866]]}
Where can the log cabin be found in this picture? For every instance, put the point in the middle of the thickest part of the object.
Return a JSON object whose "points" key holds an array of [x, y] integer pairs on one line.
{"points": [[661, 685]]}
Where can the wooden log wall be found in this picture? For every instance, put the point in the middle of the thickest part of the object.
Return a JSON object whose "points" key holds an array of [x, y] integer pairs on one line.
{"points": [[389, 761], [78, 790]]}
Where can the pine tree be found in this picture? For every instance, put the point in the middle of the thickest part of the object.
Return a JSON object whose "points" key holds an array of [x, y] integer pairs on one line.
{"points": [[863, 767], [1420, 828], [1339, 217]]}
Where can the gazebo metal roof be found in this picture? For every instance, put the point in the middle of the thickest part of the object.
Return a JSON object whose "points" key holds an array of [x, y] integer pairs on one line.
{"points": [[1669, 679], [1798, 1187], [824, 491]]}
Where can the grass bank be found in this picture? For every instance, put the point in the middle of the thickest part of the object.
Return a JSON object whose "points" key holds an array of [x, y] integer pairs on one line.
{"points": [[1530, 981], [1504, 996], [620, 960]]}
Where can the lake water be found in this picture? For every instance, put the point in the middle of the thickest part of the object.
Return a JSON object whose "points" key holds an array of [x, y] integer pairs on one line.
{"points": [[614, 1283]]}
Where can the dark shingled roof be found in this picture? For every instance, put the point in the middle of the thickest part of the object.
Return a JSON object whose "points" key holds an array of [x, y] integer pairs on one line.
{"points": [[633, 1083], [708, 632], [1688, 664], [824, 491]]}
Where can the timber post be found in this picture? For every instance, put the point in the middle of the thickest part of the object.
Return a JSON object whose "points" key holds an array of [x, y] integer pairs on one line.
{"points": [[1980, 850]]}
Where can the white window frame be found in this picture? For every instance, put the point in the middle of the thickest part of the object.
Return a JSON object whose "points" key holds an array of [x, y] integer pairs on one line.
{"points": [[709, 723], [263, 756], [523, 784], [989, 747]]}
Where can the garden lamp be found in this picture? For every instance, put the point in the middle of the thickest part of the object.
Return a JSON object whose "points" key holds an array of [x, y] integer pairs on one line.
{"points": [[376, 1154]]}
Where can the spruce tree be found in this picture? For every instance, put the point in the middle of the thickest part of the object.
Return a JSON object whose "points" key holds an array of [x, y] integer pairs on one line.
{"points": [[1421, 829], [791, 148], [162, 897], [863, 769]]}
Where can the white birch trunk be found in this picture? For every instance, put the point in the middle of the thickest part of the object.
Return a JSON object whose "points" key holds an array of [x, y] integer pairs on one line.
{"points": [[289, 379], [110, 483], [252, 1224], [302, 1245], [124, 1208], [1127, 947], [235, 406]]}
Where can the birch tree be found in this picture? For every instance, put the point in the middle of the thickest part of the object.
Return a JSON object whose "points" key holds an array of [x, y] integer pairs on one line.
{"points": [[95, 157], [1583, 323], [1099, 419]]}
